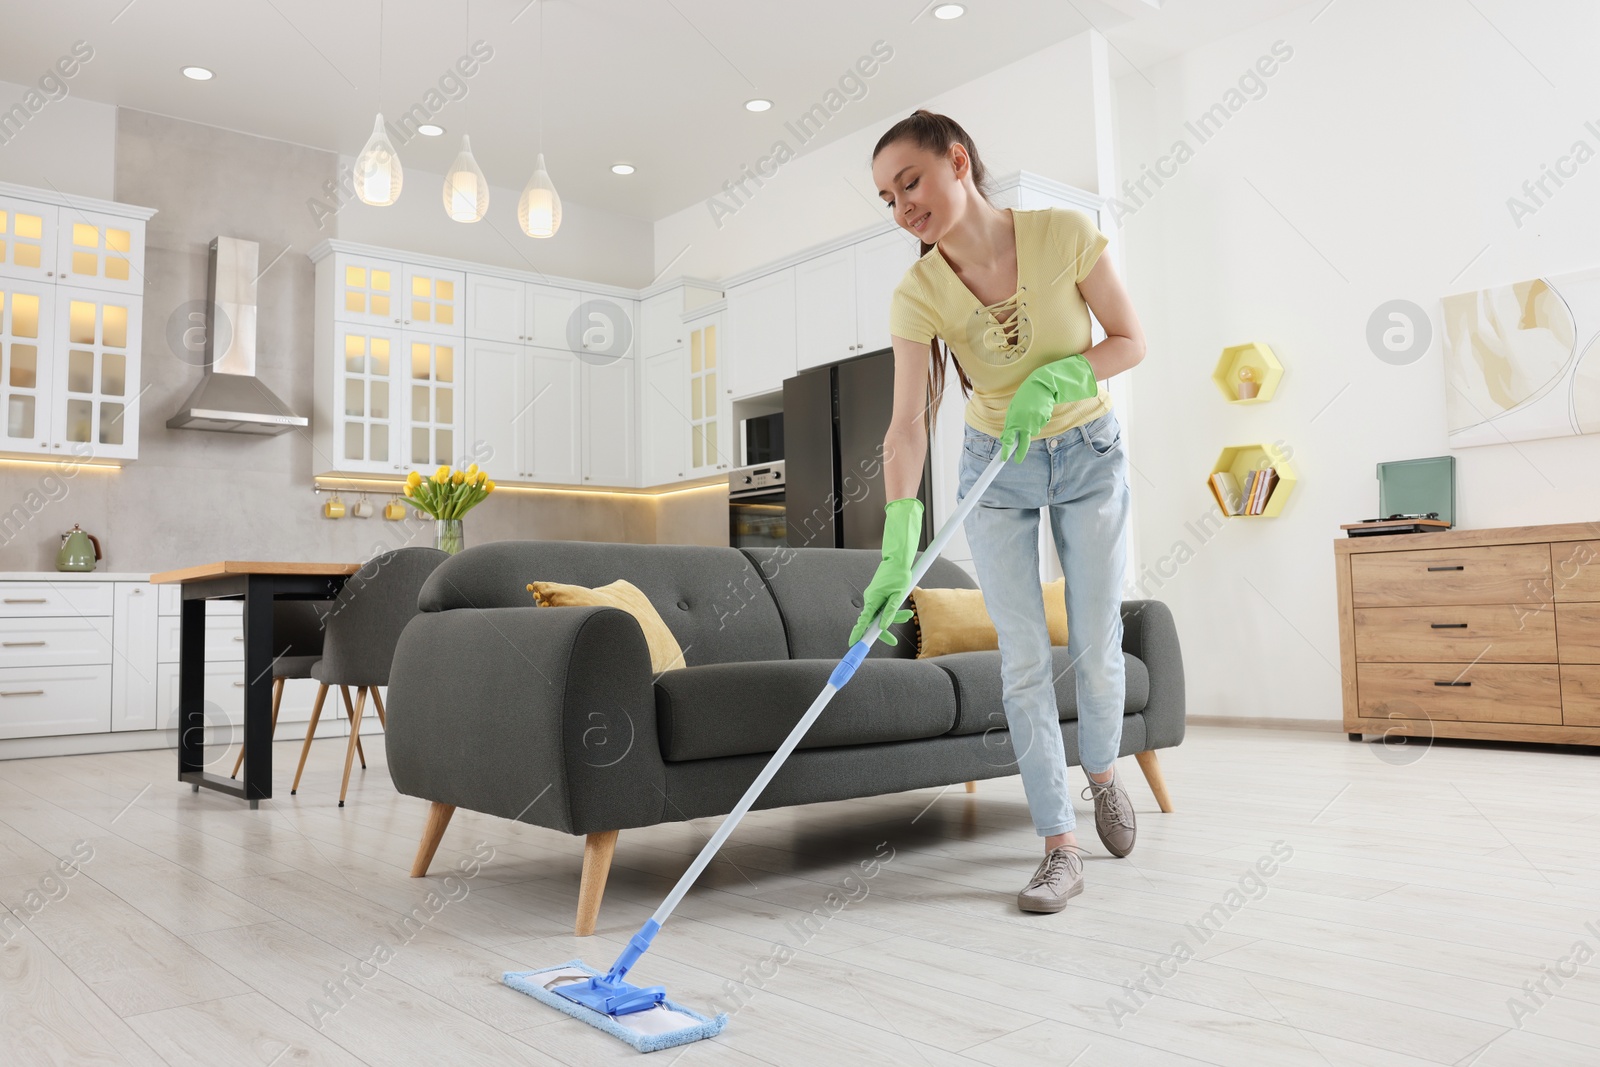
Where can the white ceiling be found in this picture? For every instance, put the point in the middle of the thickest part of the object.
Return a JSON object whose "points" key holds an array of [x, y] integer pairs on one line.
{"points": [[656, 83]]}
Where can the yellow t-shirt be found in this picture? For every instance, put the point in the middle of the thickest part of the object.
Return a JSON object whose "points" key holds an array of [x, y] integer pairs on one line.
{"points": [[1048, 320]]}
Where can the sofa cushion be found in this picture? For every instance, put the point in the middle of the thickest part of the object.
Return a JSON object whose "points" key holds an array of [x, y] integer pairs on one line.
{"points": [[818, 591], [712, 599], [957, 620], [665, 652], [735, 709], [976, 676]]}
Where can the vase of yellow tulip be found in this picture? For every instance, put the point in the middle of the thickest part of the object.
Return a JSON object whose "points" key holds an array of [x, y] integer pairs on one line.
{"points": [[448, 495]]}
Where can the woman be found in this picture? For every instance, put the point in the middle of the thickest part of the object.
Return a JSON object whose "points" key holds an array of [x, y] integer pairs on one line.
{"points": [[1009, 292]]}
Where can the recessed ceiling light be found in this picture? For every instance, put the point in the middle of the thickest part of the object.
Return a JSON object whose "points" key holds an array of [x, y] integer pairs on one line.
{"points": [[757, 104], [199, 74], [428, 129], [622, 168], [949, 11]]}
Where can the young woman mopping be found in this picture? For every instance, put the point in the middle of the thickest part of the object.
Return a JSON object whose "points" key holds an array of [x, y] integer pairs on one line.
{"points": [[1009, 293]]}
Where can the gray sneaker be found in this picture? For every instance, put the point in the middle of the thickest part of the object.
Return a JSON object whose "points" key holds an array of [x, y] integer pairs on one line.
{"points": [[1058, 879], [1113, 814]]}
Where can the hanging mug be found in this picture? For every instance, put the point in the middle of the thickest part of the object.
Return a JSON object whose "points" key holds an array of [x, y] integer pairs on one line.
{"points": [[362, 509], [333, 508], [394, 510]]}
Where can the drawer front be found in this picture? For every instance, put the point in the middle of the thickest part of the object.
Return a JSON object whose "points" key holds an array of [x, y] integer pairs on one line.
{"points": [[1580, 694], [1576, 570], [1500, 633], [1494, 574], [1478, 692], [46, 701], [35, 599], [224, 697], [61, 642], [224, 638], [1579, 627]]}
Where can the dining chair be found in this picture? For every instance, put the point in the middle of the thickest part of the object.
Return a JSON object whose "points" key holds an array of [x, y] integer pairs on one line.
{"points": [[360, 631]]}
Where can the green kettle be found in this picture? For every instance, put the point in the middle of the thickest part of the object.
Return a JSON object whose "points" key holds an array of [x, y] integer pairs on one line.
{"points": [[79, 550]]}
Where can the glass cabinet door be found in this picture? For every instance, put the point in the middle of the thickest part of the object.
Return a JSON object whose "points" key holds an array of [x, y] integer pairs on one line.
{"points": [[367, 291], [26, 319], [705, 450], [430, 383], [27, 239], [99, 251], [96, 375], [365, 422], [434, 301]]}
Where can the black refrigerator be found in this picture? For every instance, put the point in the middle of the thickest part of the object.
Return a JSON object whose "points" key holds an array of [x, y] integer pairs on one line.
{"points": [[834, 420]]}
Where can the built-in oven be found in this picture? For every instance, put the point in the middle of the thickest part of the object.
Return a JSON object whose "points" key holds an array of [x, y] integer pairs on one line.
{"points": [[756, 515]]}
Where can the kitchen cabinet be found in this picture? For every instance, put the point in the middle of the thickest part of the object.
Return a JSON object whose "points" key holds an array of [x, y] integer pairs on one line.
{"points": [[880, 263], [664, 417], [842, 298], [503, 309], [432, 301], [710, 412], [610, 423], [661, 322], [133, 668], [553, 415], [761, 334], [27, 239], [525, 407], [93, 410], [366, 290], [27, 357], [394, 403], [97, 250]]}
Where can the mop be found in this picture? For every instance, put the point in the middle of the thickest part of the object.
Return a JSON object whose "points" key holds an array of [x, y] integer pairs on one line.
{"points": [[642, 1015]]}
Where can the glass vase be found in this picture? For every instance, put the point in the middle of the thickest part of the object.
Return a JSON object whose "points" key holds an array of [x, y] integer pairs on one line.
{"points": [[447, 535]]}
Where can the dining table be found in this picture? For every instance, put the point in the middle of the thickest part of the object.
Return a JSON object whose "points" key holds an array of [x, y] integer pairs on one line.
{"points": [[257, 584]]}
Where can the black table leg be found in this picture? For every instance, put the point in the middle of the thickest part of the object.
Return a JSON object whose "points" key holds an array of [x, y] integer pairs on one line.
{"points": [[258, 689], [192, 690]]}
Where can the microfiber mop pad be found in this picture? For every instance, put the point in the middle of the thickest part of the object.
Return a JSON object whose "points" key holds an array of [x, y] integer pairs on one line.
{"points": [[662, 1026]]}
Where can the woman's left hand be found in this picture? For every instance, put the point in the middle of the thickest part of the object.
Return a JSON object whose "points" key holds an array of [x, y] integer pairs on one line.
{"points": [[1035, 400]]}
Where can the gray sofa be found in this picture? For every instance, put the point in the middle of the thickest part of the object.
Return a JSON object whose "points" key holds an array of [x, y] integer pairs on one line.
{"points": [[551, 715]]}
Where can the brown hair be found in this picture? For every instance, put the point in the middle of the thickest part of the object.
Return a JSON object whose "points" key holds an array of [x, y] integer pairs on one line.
{"points": [[935, 133]]}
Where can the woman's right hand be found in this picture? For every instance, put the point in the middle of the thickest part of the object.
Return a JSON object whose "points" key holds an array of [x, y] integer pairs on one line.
{"points": [[891, 584]]}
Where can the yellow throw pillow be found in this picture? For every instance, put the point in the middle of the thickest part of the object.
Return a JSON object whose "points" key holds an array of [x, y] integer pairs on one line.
{"points": [[955, 620], [665, 654]]}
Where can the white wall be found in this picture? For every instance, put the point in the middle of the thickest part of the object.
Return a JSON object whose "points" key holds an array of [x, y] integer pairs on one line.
{"points": [[1036, 115], [1376, 165], [69, 144]]}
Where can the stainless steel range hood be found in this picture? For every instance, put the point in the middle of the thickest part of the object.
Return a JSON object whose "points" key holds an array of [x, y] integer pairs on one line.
{"points": [[230, 397]]}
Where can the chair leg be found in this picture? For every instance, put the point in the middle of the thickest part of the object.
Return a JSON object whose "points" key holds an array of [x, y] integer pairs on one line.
{"points": [[311, 731], [355, 732], [972, 787], [597, 852], [438, 818], [277, 702], [1152, 774], [377, 704], [351, 715]]}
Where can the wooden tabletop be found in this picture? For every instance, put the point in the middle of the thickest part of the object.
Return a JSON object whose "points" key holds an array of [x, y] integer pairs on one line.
{"points": [[230, 567]]}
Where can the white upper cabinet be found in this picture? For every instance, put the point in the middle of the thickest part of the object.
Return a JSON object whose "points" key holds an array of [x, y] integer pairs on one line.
{"points": [[433, 301], [94, 414], [496, 308], [663, 418], [761, 335], [825, 305], [27, 239], [881, 262], [367, 291], [550, 310], [554, 415], [394, 404], [710, 412], [496, 402], [99, 251], [610, 423], [661, 323], [27, 364]]}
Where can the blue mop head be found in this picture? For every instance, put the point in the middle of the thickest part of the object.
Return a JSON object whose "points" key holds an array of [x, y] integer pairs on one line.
{"points": [[663, 1026]]}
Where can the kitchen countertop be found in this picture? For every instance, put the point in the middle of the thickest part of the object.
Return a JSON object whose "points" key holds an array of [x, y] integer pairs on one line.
{"points": [[73, 576]]}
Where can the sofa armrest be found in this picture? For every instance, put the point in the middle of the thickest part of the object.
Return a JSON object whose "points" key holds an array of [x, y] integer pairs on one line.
{"points": [[542, 714], [1149, 632]]}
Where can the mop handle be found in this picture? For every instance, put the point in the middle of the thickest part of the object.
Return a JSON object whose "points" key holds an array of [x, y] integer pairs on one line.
{"points": [[841, 675]]}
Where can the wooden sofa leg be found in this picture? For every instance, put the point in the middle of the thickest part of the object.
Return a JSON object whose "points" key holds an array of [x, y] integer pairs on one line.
{"points": [[597, 852], [1152, 774], [972, 787], [438, 818]]}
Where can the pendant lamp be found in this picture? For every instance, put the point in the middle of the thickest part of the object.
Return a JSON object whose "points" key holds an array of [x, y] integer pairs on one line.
{"points": [[466, 193], [539, 209], [378, 174]]}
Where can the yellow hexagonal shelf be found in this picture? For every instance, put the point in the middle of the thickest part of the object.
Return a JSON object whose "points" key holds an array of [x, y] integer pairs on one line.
{"points": [[1259, 358], [1240, 460]]}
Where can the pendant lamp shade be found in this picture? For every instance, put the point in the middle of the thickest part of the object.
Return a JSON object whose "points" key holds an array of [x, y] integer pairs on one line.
{"points": [[378, 175], [539, 209], [466, 193]]}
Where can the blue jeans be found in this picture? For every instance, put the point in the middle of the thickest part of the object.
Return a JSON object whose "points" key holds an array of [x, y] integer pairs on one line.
{"points": [[1081, 475]]}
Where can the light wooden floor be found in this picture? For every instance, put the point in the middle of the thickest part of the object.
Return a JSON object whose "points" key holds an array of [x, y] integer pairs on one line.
{"points": [[1419, 897]]}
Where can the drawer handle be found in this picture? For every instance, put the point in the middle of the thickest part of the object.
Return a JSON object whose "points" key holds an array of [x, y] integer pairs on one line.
{"points": [[1448, 625], [237, 637], [20, 644], [239, 684], [1457, 567], [24, 693], [1452, 683], [25, 600]]}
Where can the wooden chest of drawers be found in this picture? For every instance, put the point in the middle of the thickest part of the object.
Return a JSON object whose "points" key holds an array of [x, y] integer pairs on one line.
{"points": [[1489, 634]]}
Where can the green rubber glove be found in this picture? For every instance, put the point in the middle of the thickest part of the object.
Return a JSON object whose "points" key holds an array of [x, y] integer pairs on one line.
{"points": [[1056, 382], [902, 528]]}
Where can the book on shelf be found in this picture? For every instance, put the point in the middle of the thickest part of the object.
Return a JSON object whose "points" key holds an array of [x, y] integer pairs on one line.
{"points": [[1261, 485], [1225, 487]]}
